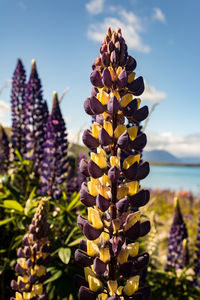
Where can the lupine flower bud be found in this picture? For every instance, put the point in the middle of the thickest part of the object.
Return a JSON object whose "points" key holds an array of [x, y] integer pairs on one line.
{"points": [[178, 233], [17, 106], [34, 257], [35, 116], [54, 163], [113, 268], [4, 150]]}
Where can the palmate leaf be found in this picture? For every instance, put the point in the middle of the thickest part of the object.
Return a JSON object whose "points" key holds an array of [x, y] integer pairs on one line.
{"points": [[55, 274], [74, 202], [64, 254]]}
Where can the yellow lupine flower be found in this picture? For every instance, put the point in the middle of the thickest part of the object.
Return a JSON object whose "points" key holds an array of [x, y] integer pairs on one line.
{"points": [[92, 248], [132, 132], [108, 127], [103, 296], [123, 256], [114, 93], [132, 219], [105, 180], [115, 161], [92, 188], [105, 237], [119, 290], [126, 99], [38, 289], [106, 115], [103, 97], [94, 283], [133, 187], [101, 151], [131, 77], [112, 287], [18, 296], [133, 249], [138, 102], [119, 70], [96, 127], [131, 285], [104, 191], [119, 130], [99, 159], [88, 271], [104, 254], [112, 73], [130, 160], [116, 225], [122, 191], [40, 270], [95, 180], [96, 221]]}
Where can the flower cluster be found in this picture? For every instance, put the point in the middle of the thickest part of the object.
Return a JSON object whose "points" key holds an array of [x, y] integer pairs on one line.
{"points": [[197, 260], [177, 243], [113, 268], [35, 117], [33, 258], [54, 163], [4, 150], [17, 106]]}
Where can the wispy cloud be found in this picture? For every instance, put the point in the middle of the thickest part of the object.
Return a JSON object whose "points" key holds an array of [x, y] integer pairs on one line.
{"points": [[152, 94], [180, 146], [130, 24], [159, 15], [95, 7]]}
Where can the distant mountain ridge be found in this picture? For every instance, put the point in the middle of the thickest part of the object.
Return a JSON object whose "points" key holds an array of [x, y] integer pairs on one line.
{"points": [[165, 156]]}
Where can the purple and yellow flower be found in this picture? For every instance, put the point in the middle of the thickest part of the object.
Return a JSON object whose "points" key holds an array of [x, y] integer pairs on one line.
{"points": [[110, 255], [4, 150], [33, 258]]}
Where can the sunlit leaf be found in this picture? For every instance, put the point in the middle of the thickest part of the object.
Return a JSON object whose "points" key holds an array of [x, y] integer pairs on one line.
{"points": [[64, 254], [3, 222], [12, 204]]}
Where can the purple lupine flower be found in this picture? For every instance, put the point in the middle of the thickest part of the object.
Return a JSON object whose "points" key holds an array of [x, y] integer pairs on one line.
{"points": [[178, 233], [17, 105], [35, 111], [109, 255], [4, 150], [80, 176], [34, 257], [54, 163], [197, 260]]}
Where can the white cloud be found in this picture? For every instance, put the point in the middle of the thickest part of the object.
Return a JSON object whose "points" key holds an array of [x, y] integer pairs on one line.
{"points": [[4, 113], [95, 7], [179, 146], [159, 15], [130, 25], [152, 94]]}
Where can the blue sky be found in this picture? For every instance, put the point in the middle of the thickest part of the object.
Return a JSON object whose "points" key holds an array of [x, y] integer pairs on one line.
{"points": [[64, 38]]}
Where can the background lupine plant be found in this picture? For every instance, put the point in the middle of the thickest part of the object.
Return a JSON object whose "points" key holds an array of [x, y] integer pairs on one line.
{"points": [[4, 150], [177, 243], [54, 163], [33, 258], [197, 260], [35, 116], [17, 107], [112, 266]]}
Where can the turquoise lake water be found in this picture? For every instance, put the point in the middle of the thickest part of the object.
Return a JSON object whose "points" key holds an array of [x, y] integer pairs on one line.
{"points": [[174, 178]]}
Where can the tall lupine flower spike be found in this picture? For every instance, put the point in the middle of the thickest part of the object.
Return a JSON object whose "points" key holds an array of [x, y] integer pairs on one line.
{"points": [[54, 163], [17, 105], [35, 110], [33, 258], [178, 233], [197, 260], [113, 268], [4, 150]]}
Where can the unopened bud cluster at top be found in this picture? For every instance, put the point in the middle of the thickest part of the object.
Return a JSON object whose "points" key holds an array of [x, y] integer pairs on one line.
{"points": [[113, 268]]}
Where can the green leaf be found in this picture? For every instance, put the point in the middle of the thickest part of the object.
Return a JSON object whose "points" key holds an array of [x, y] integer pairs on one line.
{"points": [[64, 254], [12, 204], [75, 201], [54, 276], [70, 235], [18, 155], [3, 222], [76, 242]]}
